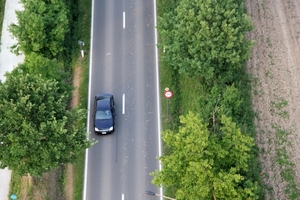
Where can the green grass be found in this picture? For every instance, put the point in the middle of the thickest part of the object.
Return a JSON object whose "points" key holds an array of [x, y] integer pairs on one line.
{"points": [[2, 7], [84, 27], [78, 170], [15, 184], [169, 109], [190, 92]]}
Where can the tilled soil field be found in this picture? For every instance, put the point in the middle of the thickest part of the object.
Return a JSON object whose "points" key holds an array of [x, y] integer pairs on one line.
{"points": [[275, 66]]}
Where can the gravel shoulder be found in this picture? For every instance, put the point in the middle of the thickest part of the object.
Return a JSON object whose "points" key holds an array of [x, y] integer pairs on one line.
{"points": [[275, 65]]}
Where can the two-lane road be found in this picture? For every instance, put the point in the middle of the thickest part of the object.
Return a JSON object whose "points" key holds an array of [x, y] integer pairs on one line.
{"points": [[124, 63]]}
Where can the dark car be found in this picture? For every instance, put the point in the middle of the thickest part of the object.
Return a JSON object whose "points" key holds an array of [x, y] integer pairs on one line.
{"points": [[104, 113]]}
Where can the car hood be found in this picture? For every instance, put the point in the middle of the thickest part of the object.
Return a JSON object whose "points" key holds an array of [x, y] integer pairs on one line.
{"points": [[104, 123]]}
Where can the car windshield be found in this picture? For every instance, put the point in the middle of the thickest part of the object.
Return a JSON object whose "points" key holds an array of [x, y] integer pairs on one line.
{"points": [[103, 114]]}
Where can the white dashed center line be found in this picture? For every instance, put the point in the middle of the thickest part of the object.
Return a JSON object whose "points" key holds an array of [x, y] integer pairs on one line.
{"points": [[123, 20], [123, 103]]}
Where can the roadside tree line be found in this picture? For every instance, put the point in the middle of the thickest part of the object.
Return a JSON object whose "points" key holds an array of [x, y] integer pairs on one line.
{"points": [[212, 152], [38, 130]]}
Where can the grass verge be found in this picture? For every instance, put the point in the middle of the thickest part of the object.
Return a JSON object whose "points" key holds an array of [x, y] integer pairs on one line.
{"points": [[84, 27], [15, 184], [78, 170]]}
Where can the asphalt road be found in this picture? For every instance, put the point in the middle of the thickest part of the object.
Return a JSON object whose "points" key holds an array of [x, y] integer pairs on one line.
{"points": [[123, 62]]}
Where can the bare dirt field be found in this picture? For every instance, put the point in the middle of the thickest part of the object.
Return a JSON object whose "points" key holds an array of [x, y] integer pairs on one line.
{"points": [[275, 66]]}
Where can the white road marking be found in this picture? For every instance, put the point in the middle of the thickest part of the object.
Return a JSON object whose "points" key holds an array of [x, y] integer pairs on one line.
{"points": [[157, 91], [123, 103], [123, 20], [89, 104], [89, 100]]}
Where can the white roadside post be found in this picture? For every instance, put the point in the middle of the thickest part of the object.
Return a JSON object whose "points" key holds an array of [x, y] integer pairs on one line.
{"points": [[81, 44]]}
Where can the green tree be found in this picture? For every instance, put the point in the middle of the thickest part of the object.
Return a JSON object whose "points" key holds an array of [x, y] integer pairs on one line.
{"points": [[204, 165], [206, 38], [42, 27], [38, 131], [48, 68], [225, 97]]}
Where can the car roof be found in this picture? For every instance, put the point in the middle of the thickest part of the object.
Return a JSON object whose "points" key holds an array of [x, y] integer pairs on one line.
{"points": [[103, 95], [103, 104]]}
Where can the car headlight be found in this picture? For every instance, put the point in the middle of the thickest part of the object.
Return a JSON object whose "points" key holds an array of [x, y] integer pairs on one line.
{"points": [[96, 129], [111, 128]]}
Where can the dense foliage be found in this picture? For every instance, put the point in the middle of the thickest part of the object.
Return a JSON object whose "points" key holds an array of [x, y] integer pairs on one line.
{"points": [[205, 166], [205, 38], [48, 68], [210, 154], [38, 132], [42, 27]]}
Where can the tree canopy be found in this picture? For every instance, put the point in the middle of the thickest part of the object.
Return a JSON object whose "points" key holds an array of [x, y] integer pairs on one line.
{"points": [[38, 131], [204, 165], [48, 68], [41, 27], [206, 37]]}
